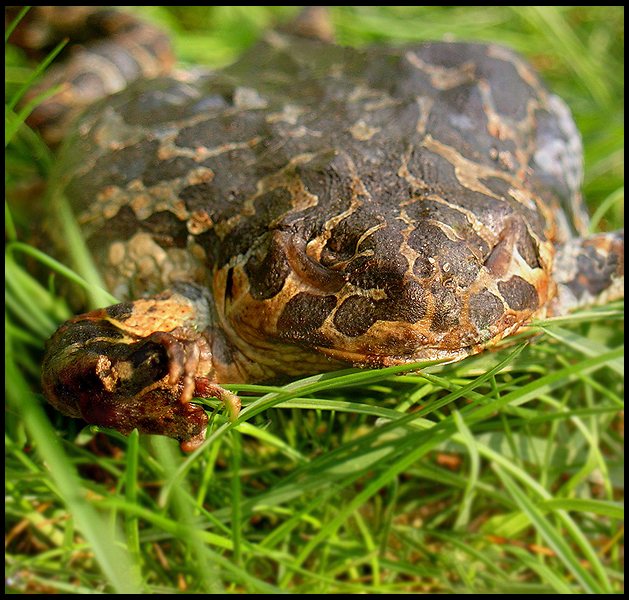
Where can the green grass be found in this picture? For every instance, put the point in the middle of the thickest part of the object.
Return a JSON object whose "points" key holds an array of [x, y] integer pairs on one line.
{"points": [[499, 474]]}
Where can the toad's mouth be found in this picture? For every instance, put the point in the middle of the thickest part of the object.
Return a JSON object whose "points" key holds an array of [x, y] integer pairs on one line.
{"points": [[281, 308], [390, 343], [382, 307], [319, 332]]}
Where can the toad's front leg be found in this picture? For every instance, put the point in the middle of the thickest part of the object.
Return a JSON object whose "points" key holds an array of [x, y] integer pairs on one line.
{"points": [[137, 365]]}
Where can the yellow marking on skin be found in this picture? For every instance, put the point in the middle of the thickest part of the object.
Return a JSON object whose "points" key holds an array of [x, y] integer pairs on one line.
{"points": [[369, 232], [141, 206], [145, 201], [444, 78], [403, 216], [425, 104], [126, 339], [524, 71], [303, 131], [283, 178], [247, 98], [343, 263], [150, 315], [467, 171], [362, 92], [199, 222], [200, 153], [482, 230], [160, 383], [289, 114], [124, 369], [363, 132], [447, 230], [462, 171], [108, 376], [116, 253], [141, 260], [469, 174], [523, 197], [498, 126], [358, 193], [385, 102], [315, 246], [503, 128], [407, 251]]}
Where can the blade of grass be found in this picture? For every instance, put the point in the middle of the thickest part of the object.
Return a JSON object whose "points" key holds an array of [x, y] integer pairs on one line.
{"points": [[614, 510], [465, 507], [131, 522], [568, 45], [181, 504], [545, 572], [9, 226], [307, 385], [37, 72], [236, 497], [616, 196], [550, 534], [81, 257], [11, 28], [14, 121], [112, 558], [42, 310], [439, 433], [71, 275], [583, 345]]}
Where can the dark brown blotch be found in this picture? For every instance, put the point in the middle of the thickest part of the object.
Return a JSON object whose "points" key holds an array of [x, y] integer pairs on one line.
{"points": [[435, 173], [385, 268], [460, 122], [303, 315], [598, 269], [519, 294], [528, 249], [355, 316], [166, 229], [268, 208], [510, 92], [117, 168], [223, 128], [459, 260], [267, 268], [198, 196], [168, 169], [447, 309], [485, 309], [405, 304], [120, 311], [343, 240]]}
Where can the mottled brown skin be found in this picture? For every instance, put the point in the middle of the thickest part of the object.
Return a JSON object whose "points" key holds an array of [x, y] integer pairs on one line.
{"points": [[369, 206], [115, 50]]}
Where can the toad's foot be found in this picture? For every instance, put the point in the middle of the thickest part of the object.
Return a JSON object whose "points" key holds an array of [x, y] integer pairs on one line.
{"points": [[137, 365]]}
